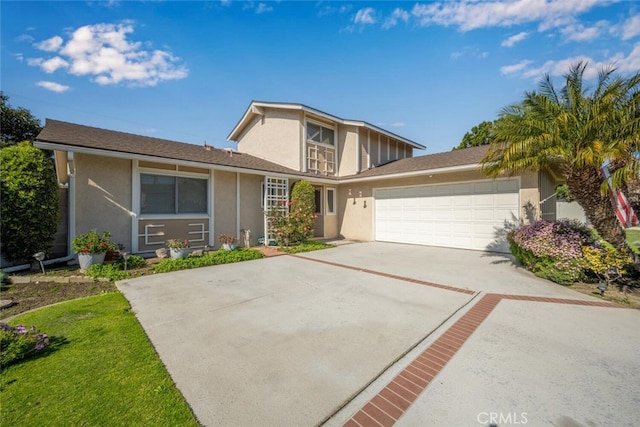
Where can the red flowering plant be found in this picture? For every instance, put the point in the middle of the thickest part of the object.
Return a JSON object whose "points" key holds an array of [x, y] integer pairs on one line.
{"points": [[177, 244], [93, 243], [291, 223]]}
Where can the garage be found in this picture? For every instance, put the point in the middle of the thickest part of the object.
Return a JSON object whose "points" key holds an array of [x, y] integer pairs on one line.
{"points": [[466, 215]]}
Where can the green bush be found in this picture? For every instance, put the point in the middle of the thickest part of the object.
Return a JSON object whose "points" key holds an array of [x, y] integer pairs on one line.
{"points": [[19, 342], [4, 279], [291, 223], [307, 246], [134, 261], [29, 194], [213, 258], [107, 271]]}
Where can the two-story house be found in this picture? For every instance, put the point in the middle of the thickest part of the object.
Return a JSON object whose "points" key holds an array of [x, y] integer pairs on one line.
{"points": [[369, 186]]}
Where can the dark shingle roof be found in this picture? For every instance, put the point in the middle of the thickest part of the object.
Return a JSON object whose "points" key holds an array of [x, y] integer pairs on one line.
{"points": [[467, 156], [74, 135]]}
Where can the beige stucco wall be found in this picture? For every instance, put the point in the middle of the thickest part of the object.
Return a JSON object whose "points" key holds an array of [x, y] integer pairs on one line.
{"points": [[529, 197], [276, 136], [251, 212], [225, 208], [357, 219], [347, 150], [103, 196]]}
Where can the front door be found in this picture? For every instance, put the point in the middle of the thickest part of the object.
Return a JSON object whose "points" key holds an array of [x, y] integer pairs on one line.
{"points": [[318, 226]]}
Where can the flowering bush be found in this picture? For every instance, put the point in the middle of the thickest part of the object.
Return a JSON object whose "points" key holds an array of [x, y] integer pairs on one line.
{"points": [[227, 239], [599, 260], [19, 342], [552, 249], [177, 244], [92, 242], [293, 226]]}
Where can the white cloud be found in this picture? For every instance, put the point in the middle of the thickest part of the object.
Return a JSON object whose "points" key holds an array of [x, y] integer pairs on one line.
{"points": [[365, 16], [631, 28], [516, 38], [51, 65], [397, 15], [53, 87], [515, 68], [469, 15], [50, 45], [103, 52], [263, 8], [580, 33], [470, 51], [25, 38], [624, 64]]}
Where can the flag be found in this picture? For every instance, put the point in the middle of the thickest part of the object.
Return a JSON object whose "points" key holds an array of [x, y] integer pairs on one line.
{"points": [[624, 211]]}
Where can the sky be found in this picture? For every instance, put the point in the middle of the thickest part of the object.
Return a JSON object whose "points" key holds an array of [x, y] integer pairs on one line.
{"points": [[187, 71]]}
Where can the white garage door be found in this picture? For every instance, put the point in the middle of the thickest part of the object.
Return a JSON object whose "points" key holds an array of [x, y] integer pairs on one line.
{"points": [[464, 215]]}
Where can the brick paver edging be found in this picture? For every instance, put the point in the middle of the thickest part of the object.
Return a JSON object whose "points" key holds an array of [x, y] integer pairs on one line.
{"points": [[396, 397], [390, 276]]}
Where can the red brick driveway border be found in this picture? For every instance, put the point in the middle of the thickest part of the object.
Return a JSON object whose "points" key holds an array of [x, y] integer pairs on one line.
{"points": [[386, 407]]}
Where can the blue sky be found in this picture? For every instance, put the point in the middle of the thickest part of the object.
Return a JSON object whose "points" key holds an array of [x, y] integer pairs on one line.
{"points": [[186, 71]]}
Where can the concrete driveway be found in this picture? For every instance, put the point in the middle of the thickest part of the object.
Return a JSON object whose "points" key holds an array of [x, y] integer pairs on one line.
{"points": [[383, 334]]}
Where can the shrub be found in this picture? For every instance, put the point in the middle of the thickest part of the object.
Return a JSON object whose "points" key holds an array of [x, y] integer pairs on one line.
{"points": [[307, 246], [292, 223], [212, 258], [134, 261], [600, 259], [19, 343], [177, 244], [108, 271], [29, 208], [552, 249]]}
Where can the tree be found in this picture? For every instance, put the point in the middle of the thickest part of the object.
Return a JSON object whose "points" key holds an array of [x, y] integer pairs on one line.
{"points": [[478, 135], [575, 133], [16, 124], [29, 209]]}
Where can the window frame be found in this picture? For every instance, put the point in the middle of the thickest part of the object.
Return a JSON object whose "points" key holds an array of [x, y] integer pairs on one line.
{"points": [[321, 125], [333, 199], [176, 175]]}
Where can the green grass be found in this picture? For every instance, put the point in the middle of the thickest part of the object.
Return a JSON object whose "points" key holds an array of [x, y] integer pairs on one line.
{"points": [[308, 246], [100, 369], [633, 239]]}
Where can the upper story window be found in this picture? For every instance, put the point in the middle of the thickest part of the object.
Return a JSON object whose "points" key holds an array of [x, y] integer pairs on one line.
{"points": [[321, 150], [164, 194], [320, 134]]}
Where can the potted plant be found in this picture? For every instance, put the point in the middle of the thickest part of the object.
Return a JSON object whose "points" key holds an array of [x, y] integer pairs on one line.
{"points": [[178, 248], [91, 247], [228, 241]]}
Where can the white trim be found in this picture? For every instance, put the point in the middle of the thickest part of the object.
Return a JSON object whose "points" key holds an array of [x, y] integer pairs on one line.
{"points": [[379, 150], [72, 201], [466, 181], [358, 152], [335, 199], [165, 172], [135, 205], [288, 106], [368, 149], [461, 168], [133, 156], [238, 205], [155, 217], [212, 204]]}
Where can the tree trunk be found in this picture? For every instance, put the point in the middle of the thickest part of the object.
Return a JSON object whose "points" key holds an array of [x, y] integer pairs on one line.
{"points": [[631, 189], [584, 185]]}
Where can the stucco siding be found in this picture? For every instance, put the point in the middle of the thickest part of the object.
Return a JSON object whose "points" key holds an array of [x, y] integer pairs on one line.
{"points": [[225, 208], [347, 150], [103, 196], [251, 212], [276, 136]]}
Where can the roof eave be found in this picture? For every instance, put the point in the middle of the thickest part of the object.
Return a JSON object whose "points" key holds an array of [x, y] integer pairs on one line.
{"points": [[436, 171]]}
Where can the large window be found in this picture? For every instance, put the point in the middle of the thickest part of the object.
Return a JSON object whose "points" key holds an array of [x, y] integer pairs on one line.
{"points": [[320, 149], [319, 134], [162, 194]]}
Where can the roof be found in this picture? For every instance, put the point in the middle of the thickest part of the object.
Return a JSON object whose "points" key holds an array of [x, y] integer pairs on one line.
{"points": [[64, 136], [70, 135], [256, 106], [456, 159]]}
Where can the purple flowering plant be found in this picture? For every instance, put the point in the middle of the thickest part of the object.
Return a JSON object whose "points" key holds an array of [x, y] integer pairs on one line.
{"points": [[19, 342], [552, 249]]}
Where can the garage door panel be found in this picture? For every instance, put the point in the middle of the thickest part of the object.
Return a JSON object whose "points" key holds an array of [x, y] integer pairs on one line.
{"points": [[462, 215]]}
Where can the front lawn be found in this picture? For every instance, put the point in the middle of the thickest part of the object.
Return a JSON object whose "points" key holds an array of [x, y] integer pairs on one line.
{"points": [[633, 239], [100, 369]]}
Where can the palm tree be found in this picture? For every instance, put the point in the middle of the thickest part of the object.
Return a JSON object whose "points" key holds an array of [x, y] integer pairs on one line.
{"points": [[576, 133]]}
